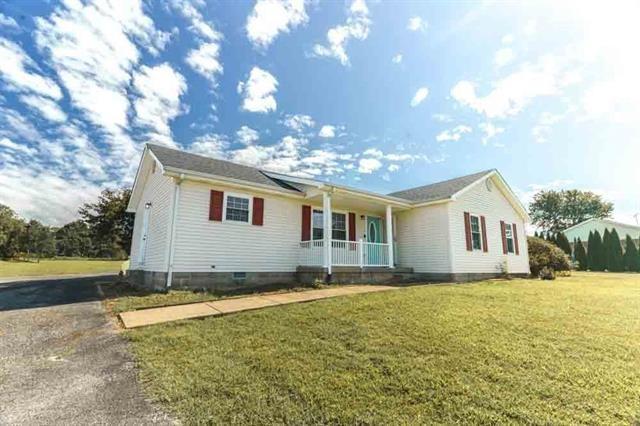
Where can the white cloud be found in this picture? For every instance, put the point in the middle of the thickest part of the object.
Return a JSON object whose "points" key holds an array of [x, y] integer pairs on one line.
{"points": [[8, 21], [530, 28], [199, 26], [420, 96], [357, 27], [205, 60], [15, 125], [272, 17], [373, 152], [416, 23], [160, 89], [397, 59], [91, 47], [545, 123], [327, 131], [369, 165], [247, 136], [490, 131], [45, 106], [503, 57], [258, 91], [19, 72], [453, 134], [443, 118], [298, 122], [9, 144], [211, 145], [393, 168], [513, 93], [507, 39]]}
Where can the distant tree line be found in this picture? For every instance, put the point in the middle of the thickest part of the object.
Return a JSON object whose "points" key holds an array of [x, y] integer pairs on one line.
{"points": [[104, 230]]}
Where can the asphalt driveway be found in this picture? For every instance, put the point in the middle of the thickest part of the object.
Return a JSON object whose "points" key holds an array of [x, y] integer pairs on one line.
{"points": [[62, 361]]}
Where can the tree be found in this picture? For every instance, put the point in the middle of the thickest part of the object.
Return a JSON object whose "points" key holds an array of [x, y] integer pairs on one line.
{"points": [[581, 256], [598, 253], [38, 240], [563, 243], [556, 211], [74, 239], [591, 251], [606, 245], [631, 258], [11, 228], [615, 259], [110, 226]]}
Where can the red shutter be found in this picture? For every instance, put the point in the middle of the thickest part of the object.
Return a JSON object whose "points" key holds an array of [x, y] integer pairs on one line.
{"points": [[258, 211], [515, 238], [352, 226], [503, 231], [483, 224], [215, 205], [467, 230], [306, 223], [352, 230]]}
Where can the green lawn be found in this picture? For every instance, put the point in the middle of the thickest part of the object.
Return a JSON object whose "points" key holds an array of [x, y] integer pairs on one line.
{"points": [[14, 268], [522, 351]]}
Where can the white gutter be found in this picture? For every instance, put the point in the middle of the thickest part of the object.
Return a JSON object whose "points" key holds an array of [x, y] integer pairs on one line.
{"points": [[172, 234]]}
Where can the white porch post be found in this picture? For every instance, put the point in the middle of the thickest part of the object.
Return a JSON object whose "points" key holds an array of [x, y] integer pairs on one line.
{"points": [[389, 226], [326, 232]]}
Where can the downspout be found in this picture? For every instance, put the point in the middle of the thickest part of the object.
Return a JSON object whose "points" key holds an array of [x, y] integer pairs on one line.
{"points": [[172, 234]]}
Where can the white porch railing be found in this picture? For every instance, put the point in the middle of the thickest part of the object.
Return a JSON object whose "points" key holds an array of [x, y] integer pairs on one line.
{"points": [[345, 253]]}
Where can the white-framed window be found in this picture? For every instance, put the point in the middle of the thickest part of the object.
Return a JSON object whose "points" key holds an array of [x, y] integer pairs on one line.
{"points": [[338, 225], [508, 232], [237, 207], [476, 236]]}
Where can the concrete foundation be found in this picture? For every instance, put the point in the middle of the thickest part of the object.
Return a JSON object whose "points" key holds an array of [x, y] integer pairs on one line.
{"points": [[227, 282]]}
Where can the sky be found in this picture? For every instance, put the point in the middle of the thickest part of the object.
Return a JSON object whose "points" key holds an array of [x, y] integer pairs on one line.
{"points": [[379, 95]]}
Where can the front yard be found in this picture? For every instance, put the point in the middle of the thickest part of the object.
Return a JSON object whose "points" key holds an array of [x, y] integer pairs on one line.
{"points": [[523, 351], [19, 268]]}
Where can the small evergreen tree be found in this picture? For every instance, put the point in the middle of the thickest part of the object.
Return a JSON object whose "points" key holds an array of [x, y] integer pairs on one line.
{"points": [[590, 250], [615, 260], [606, 245], [631, 257], [599, 256], [581, 255], [563, 243]]}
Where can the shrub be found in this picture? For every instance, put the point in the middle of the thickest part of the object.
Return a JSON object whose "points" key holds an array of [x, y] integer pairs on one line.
{"points": [[547, 274], [581, 255], [544, 254]]}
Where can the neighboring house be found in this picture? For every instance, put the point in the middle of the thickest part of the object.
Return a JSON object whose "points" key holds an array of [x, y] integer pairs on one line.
{"points": [[582, 230], [202, 222]]}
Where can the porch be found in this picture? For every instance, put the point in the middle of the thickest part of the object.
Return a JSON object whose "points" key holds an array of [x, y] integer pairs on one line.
{"points": [[343, 228]]}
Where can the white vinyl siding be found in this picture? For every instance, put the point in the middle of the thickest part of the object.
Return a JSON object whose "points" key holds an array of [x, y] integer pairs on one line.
{"points": [[422, 236], [235, 246], [158, 190], [494, 206]]}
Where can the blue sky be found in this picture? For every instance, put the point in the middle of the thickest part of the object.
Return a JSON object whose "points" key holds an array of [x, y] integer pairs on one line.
{"points": [[378, 95]]}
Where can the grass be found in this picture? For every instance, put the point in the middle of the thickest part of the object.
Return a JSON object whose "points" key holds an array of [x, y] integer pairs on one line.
{"points": [[121, 297], [18, 268], [522, 351]]}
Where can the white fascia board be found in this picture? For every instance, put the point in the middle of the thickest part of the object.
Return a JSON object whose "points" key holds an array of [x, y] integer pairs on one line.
{"points": [[132, 208]]}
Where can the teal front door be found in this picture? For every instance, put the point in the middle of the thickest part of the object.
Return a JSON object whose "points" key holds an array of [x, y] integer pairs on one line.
{"points": [[374, 252]]}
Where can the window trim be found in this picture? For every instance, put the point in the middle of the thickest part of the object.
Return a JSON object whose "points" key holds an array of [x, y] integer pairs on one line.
{"points": [[237, 195], [509, 227], [346, 222], [471, 216]]}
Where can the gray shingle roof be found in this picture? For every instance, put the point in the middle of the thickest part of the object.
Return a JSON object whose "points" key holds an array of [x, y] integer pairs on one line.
{"points": [[174, 158], [440, 190]]}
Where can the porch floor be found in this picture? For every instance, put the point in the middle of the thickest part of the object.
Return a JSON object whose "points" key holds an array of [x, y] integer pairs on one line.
{"points": [[144, 317]]}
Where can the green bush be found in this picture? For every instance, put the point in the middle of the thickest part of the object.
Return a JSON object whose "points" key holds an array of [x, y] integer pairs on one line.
{"points": [[545, 254]]}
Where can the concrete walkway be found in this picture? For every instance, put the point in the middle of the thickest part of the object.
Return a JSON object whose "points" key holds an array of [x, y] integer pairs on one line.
{"points": [[144, 317]]}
